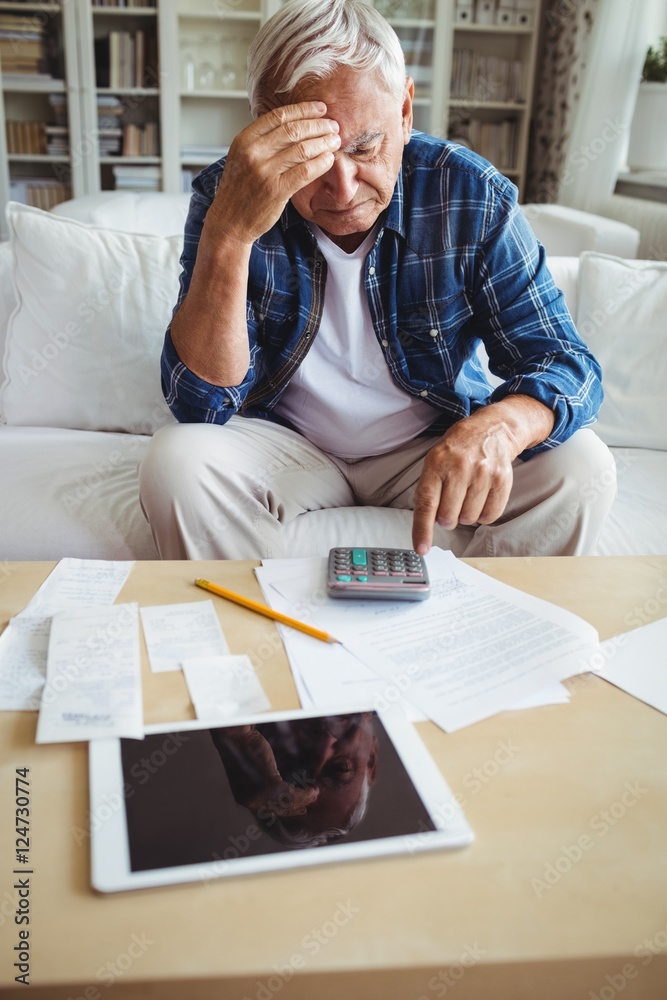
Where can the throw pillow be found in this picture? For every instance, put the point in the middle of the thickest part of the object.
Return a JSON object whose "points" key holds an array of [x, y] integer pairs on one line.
{"points": [[621, 317], [84, 340]]}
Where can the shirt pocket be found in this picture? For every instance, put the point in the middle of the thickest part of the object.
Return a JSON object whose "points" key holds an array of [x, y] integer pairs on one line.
{"points": [[433, 339], [270, 307]]}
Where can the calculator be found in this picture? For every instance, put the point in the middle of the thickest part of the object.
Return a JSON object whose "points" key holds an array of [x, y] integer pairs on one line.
{"points": [[377, 574]]}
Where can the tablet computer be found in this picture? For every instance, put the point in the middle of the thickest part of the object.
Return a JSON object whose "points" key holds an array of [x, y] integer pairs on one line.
{"points": [[194, 802]]}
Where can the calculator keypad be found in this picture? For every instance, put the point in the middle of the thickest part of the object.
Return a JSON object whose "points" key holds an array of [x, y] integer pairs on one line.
{"points": [[386, 573]]}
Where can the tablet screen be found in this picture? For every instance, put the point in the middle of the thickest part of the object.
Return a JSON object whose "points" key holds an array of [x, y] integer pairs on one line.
{"points": [[192, 796]]}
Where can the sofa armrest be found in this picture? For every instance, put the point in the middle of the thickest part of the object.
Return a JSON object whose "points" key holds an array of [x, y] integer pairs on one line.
{"points": [[7, 295], [568, 232]]}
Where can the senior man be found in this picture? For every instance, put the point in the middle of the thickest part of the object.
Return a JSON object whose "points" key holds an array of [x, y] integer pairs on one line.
{"points": [[339, 273]]}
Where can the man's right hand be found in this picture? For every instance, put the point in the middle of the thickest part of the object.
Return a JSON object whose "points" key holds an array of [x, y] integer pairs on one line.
{"points": [[269, 161]]}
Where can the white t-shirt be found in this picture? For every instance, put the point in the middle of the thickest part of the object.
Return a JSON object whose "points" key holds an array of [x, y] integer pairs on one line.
{"points": [[342, 397]]}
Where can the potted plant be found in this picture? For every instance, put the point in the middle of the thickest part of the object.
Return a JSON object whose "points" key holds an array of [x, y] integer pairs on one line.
{"points": [[647, 147]]}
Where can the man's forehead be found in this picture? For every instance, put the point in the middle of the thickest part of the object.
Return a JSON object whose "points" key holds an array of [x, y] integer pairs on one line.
{"points": [[360, 102]]}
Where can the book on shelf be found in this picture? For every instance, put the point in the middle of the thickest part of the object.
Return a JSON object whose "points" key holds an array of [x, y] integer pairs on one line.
{"points": [[202, 151], [478, 77], [125, 59], [140, 140], [136, 177], [124, 3], [495, 141], [40, 192], [26, 137], [187, 177], [110, 109], [57, 140], [24, 45], [109, 141], [58, 104]]}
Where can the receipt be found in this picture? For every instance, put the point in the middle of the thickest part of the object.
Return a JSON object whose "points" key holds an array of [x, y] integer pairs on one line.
{"points": [[93, 676]]}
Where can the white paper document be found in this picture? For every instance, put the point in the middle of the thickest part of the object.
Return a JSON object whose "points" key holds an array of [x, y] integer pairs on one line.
{"points": [[224, 686], [177, 632], [23, 648], [474, 648], [79, 583], [73, 584], [639, 664], [93, 676], [325, 675]]}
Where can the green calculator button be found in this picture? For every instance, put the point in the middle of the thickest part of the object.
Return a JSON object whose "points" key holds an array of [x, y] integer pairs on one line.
{"points": [[359, 557], [362, 579], [344, 577]]}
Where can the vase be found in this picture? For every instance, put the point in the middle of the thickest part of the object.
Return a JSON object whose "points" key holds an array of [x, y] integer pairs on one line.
{"points": [[647, 146]]}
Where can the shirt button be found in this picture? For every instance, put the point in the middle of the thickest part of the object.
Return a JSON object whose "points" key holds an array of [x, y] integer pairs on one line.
{"points": [[434, 332], [385, 343], [318, 263], [424, 392], [371, 270]]}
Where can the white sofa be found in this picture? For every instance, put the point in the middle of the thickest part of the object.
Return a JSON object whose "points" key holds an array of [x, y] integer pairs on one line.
{"points": [[82, 314]]}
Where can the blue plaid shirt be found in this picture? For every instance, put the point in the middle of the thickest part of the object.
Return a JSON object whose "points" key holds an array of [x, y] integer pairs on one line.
{"points": [[454, 263]]}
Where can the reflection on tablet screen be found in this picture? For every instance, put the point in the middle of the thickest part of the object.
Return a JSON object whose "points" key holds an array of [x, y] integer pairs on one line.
{"points": [[236, 791]]}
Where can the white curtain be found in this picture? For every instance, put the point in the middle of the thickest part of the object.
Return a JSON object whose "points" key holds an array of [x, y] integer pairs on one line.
{"points": [[597, 146]]}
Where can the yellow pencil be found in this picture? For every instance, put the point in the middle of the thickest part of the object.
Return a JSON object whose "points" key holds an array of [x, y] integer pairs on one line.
{"points": [[262, 609]]}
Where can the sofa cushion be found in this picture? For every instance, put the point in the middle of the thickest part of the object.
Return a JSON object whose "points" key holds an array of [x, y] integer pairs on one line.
{"points": [[564, 271], [71, 493], [7, 295], [156, 212], [84, 340], [637, 523], [621, 315]]}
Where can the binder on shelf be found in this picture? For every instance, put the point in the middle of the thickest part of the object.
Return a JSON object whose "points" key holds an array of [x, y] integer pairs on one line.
{"points": [[464, 12], [505, 13], [524, 14], [485, 11]]}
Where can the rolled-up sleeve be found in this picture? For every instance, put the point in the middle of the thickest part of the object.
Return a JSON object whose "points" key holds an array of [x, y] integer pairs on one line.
{"points": [[190, 398], [529, 335]]}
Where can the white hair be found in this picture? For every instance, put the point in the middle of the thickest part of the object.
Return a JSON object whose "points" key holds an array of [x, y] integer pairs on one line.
{"points": [[303, 837], [313, 38]]}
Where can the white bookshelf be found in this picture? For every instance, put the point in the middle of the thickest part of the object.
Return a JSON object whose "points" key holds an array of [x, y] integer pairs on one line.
{"points": [[197, 94], [479, 118], [205, 103], [25, 99], [423, 27], [141, 102]]}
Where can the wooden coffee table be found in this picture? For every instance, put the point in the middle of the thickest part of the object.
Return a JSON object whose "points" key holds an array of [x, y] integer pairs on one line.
{"points": [[562, 895]]}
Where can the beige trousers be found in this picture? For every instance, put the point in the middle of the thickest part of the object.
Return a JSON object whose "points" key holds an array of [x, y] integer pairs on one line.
{"points": [[229, 492]]}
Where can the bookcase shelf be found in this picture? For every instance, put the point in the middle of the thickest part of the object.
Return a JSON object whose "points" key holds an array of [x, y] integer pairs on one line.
{"points": [[132, 91], [22, 8], [36, 158], [124, 11], [119, 160], [495, 29], [32, 86]]}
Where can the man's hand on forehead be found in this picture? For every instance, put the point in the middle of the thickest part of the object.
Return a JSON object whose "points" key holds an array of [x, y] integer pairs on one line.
{"points": [[281, 152]]}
